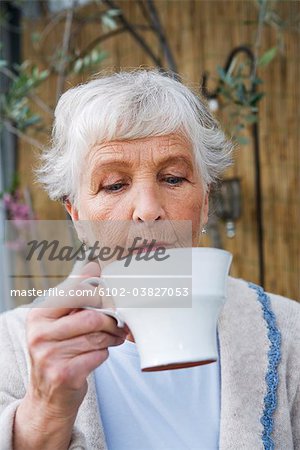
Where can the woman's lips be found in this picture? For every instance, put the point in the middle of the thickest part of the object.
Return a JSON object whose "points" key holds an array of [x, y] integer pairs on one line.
{"points": [[152, 247]]}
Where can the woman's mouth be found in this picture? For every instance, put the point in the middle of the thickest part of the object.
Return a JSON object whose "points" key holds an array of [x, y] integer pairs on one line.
{"points": [[152, 247]]}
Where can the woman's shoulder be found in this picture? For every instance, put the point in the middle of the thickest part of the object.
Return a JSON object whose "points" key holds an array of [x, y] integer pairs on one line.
{"points": [[284, 313], [286, 310], [287, 313], [283, 306]]}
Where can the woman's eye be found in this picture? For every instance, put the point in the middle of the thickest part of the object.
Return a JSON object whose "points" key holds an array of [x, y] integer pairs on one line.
{"points": [[114, 187], [174, 180]]}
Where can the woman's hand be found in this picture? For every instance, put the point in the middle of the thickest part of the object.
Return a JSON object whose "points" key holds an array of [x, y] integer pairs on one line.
{"points": [[65, 344]]}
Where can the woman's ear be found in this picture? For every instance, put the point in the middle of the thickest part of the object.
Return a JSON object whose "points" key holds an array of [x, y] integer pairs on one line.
{"points": [[72, 210], [205, 207], [78, 224]]}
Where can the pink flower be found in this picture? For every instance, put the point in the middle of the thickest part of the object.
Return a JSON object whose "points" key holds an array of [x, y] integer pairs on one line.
{"points": [[16, 209], [16, 246], [20, 223], [7, 198]]}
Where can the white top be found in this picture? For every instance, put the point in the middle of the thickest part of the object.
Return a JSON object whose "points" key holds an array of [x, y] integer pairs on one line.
{"points": [[173, 409]]}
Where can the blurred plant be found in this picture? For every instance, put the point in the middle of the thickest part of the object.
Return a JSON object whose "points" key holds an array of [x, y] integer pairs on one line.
{"points": [[65, 60], [15, 207], [239, 96], [273, 15], [15, 204], [21, 226], [19, 213], [92, 59], [14, 103], [18, 210], [238, 87]]}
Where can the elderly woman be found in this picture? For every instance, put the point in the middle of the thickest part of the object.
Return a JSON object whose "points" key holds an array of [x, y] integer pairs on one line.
{"points": [[141, 147]]}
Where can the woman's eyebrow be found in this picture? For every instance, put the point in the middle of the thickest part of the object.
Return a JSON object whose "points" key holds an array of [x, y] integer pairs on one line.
{"points": [[175, 160], [107, 164]]}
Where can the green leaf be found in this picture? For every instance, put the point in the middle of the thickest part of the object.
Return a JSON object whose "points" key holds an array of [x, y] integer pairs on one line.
{"points": [[35, 37], [221, 72], [109, 22], [86, 60], [239, 127], [267, 57], [15, 182], [226, 92], [101, 56], [242, 140], [78, 65], [114, 12], [254, 99], [44, 74], [251, 118], [94, 55], [32, 120], [257, 81], [240, 92], [35, 72]]}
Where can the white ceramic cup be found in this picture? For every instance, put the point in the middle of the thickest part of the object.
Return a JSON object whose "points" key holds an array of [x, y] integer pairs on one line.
{"points": [[171, 329]]}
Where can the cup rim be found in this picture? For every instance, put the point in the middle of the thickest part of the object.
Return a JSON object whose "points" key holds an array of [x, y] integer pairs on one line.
{"points": [[202, 249], [207, 250]]}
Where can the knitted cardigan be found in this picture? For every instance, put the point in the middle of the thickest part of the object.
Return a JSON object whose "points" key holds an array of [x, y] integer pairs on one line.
{"points": [[259, 338]]}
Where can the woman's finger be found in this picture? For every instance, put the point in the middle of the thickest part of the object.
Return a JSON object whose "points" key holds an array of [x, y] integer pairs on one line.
{"points": [[87, 343], [78, 323]]}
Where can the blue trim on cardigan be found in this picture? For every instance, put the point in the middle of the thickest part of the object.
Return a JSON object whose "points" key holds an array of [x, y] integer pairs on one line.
{"points": [[274, 356]]}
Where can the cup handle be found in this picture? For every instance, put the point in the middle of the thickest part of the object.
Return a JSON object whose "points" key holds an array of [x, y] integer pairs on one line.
{"points": [[109, 312]]}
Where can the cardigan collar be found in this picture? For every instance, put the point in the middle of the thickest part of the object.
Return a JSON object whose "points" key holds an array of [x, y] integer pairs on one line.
{"points": [[244, 363]]}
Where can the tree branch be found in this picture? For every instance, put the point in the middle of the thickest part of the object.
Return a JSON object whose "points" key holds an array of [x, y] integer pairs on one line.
{"points": [[257, 44], [22, 135], [95, 42], [48, 28], [161, 36], [141, 41], [65, 48], [144, 11]]}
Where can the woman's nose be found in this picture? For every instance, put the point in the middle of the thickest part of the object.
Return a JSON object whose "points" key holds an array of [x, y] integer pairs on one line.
{"points": [[148, 206]]}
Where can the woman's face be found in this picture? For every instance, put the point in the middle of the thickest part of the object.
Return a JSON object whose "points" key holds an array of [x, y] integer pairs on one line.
{"points": [[143, 180]]}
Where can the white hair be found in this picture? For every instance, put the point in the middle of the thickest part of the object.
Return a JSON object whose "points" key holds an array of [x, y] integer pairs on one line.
{"points": [[128, 105]]}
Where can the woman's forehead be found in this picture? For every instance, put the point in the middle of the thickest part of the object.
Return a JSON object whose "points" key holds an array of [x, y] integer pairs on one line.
{"points": [[154, 148]]}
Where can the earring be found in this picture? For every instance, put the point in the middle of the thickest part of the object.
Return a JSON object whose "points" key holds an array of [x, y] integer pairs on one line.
{"points": [[203, 231], [85, 244]]}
